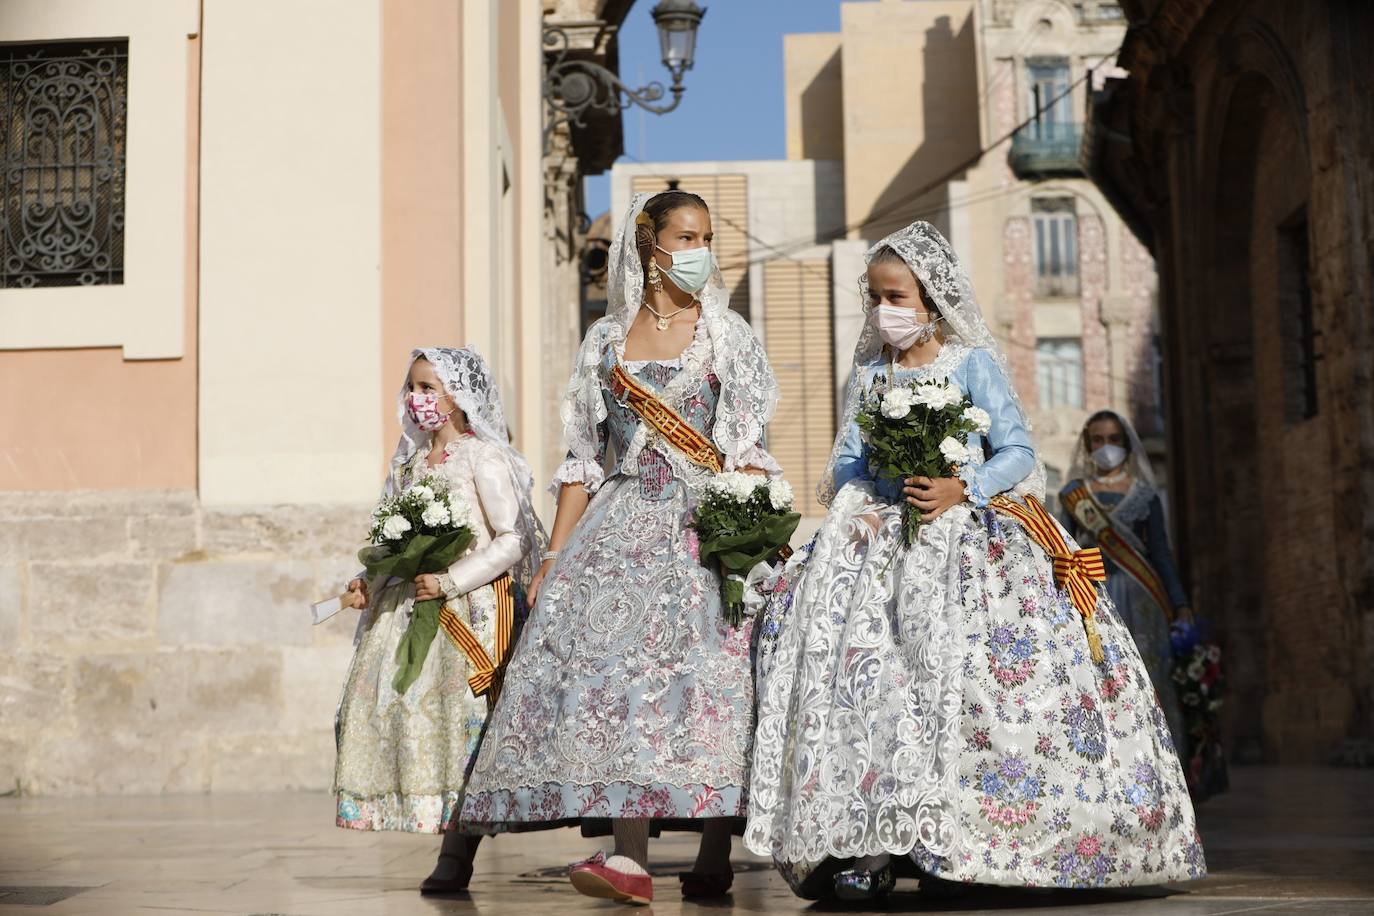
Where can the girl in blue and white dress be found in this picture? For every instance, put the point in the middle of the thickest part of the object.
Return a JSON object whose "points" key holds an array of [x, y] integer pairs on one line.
{"points": [[934, 710]]}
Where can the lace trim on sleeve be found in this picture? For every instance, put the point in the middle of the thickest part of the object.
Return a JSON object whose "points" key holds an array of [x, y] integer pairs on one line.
{"points": [[578, 470], [969, 475]]}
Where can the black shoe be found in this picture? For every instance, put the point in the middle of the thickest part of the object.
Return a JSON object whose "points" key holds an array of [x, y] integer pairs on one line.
{"points": [[856, 884], [462, 876], [455, 885], [696, 885]]}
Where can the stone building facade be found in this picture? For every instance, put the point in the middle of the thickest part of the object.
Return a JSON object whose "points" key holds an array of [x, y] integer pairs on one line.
{"points": [[1238, 146], [198, 416], [914, 109]]}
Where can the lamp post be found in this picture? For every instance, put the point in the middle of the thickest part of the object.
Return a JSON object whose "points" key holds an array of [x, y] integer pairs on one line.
{"points": [[572, 86]]}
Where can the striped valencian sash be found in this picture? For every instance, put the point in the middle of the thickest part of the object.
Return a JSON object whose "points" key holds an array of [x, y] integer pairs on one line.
{"points": [[1095, 519], [1074, 571], [680, 434], [486, 668]]}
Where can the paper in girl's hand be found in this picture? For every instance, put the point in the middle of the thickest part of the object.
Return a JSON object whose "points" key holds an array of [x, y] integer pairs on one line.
{"points": [[323, 610]]}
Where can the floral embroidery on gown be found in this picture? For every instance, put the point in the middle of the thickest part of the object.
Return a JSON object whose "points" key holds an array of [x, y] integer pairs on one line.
{"points": [[1141, 512], [628, 695], [938, 703], [402, 759]]}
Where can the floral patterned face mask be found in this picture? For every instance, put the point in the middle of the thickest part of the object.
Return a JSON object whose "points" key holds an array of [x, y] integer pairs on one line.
{"points": [[423, 407]]}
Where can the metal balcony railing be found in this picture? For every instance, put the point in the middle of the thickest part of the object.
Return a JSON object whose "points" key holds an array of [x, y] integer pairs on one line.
{"points": [[1046, 148]]}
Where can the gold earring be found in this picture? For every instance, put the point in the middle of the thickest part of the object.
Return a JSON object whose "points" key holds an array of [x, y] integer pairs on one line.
{"points": [[655, 277]]}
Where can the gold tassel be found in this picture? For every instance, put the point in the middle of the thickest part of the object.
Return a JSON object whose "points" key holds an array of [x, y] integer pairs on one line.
{"points": [[1094, 640]]}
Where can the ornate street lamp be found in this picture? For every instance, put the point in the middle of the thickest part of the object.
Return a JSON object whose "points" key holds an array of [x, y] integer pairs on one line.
{"points": [[572, 86]]}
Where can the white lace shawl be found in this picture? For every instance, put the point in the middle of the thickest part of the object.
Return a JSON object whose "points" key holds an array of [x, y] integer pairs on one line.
{"points": [[932, 260], [469, 381], [748, 394]]}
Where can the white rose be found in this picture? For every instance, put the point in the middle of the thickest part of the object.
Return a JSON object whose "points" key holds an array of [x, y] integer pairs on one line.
{"points": [[780, 494], [938, 397], [422, 492], [954, 451], [734, 485], [897, 403], [929, 395], [394, 527], [895, 411], [980, 418], [435, 514], [1195, 671]]}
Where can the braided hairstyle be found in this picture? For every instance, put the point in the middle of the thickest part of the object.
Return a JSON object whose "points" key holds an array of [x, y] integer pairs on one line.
{"points": [[654, 217]]}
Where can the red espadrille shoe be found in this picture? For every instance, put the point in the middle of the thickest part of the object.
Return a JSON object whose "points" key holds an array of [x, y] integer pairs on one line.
{"points": [[593, 878]]}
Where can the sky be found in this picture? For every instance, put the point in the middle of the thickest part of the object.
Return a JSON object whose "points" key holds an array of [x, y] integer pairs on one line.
{"points": [[733, 106]]}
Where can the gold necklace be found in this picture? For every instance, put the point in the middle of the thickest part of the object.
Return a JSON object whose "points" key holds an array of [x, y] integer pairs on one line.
{"points": [[665, 320]]}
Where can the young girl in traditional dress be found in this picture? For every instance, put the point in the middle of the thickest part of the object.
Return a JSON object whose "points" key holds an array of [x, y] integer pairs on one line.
{"points": [[403, 757], [1111, 502], [936, 709], [629, 696]]}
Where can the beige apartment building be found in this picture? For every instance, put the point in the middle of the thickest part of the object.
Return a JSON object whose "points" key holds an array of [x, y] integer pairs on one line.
{"points": [[907, 113], [226, 224]]}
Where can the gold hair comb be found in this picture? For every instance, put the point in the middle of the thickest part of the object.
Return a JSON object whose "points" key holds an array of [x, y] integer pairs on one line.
{"points": [[644, 219]]}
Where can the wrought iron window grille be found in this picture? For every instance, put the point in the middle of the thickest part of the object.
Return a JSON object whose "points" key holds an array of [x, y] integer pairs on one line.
{"points": [[63, 125]]}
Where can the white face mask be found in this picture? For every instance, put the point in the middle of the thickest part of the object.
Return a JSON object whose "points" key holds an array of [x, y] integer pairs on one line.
{"points": [[1108, 457], [902, 328], [692, 267]]}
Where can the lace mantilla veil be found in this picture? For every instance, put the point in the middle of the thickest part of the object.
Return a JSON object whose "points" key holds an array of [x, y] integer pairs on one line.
{"points": [[748, 394], [932, 260], [1138, 464], [468, 380]]}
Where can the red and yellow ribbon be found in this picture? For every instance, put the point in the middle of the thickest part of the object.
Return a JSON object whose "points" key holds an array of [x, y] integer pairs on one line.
{"points": [[486, 668], [680, 434], [1074, 571], [1091, 515]]}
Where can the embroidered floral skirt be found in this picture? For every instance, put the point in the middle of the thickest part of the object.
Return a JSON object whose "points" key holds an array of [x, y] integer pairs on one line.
{"points": [[628, 695], [939, 702], [402, 759], [1150, 630]]}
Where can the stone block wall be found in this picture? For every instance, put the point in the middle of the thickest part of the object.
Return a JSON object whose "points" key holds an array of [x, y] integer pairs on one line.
{"points": [[148, 645]]}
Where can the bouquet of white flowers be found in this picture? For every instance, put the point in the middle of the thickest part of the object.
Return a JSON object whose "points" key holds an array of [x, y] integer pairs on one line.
{"points": [[741, 521], [918, 430], [422, 529]]}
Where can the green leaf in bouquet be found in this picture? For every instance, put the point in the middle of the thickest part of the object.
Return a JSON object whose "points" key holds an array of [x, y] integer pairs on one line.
{"points": [[739, 553], [423, 553], [416, 641]]}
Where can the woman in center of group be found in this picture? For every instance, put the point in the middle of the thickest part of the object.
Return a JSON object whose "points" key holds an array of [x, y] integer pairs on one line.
{"points": [[629, 697]]}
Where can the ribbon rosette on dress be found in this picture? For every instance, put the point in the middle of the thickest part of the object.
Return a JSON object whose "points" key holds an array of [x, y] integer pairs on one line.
{"points": [[1075, 572]]}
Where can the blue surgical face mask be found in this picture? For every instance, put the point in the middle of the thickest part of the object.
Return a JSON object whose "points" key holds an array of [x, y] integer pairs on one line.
{"points": [[692, 267]]}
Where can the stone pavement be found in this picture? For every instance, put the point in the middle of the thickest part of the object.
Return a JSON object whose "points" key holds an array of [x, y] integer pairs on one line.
{"points": [[1282, 841]]}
